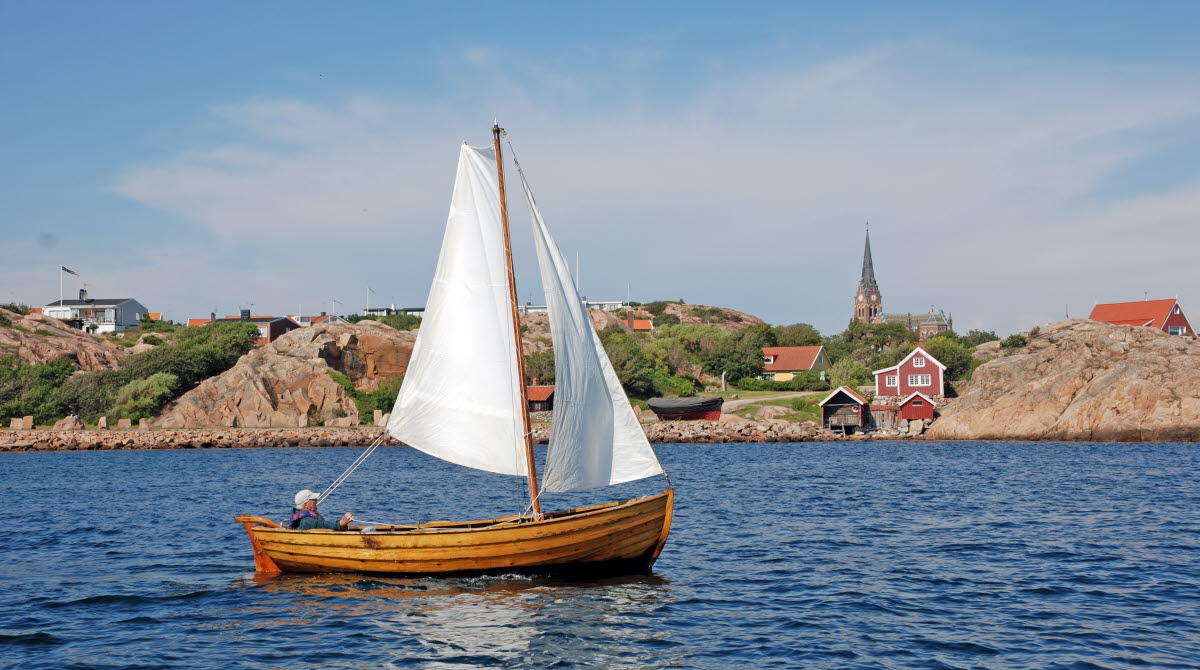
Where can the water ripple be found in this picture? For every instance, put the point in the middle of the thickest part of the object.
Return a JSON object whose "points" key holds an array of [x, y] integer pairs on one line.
{"points": [[897, 555]]}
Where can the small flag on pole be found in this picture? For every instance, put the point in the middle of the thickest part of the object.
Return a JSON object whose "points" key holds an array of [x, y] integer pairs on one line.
{"points": [[67, 269]]}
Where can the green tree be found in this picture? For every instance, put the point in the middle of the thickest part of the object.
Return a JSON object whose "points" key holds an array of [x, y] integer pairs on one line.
{"points": [[956, 357], [540, 366], [849, 372], [759, 335], [732, 356], [797, 335], [630, 363], [1014, 341]]}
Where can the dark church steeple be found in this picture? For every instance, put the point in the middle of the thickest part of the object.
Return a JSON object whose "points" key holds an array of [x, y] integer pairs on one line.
{"points": [[868, 304]]}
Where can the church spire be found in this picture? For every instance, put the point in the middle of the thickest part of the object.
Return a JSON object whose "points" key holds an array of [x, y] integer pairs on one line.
{"points": [[868, 270], [868, 304]]}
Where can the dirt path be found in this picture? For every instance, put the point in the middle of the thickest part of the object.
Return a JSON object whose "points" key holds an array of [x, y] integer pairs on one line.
{"points": [[731, 405]]}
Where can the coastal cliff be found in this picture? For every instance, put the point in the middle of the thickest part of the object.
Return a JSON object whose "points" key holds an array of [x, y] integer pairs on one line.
{"points": [[34, 338], [286, 383], [1082, 380]]}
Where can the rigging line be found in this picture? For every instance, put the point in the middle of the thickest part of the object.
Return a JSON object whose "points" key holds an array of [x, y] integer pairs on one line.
{"points": [[353, 466]]}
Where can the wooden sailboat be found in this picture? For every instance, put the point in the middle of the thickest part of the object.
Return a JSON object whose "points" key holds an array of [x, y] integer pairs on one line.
{"points": [[464, 401]]}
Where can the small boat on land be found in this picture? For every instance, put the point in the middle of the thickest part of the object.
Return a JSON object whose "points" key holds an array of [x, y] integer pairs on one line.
{"points": [[464, 400], [687, 409]]}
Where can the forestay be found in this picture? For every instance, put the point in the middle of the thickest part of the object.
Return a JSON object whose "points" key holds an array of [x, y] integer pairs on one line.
{"points": [[595, 438], [461, 399]]}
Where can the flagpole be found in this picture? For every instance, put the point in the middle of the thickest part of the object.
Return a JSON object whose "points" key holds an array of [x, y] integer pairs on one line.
{"points": [[60, 285]]}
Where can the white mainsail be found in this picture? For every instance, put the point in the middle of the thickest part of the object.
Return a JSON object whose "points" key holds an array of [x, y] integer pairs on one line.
{"points": [[595, 438], [461, 399]]}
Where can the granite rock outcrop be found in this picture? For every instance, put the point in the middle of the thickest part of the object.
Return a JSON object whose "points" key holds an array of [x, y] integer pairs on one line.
{"points": [[286, 383], [1082, 380], [23, 341]]}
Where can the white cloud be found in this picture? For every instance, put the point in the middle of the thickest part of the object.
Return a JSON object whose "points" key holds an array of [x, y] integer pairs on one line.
{"points": [[982, 175]]}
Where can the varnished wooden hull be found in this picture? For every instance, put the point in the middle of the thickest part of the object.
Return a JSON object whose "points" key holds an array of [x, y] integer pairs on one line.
{"points": [[623, 536]]}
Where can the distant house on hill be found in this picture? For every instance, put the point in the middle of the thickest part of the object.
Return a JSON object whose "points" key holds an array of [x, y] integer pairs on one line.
{"points": [[541, 398], [1165, 315], [782, 363], [108, 315], [917, 373], [269, 327]]}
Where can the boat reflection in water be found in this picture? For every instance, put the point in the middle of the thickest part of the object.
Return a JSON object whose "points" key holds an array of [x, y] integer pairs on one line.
{"points": [[455, 622]]}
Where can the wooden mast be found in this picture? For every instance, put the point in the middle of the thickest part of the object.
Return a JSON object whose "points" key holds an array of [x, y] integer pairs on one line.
{"points": [[530, 466]]}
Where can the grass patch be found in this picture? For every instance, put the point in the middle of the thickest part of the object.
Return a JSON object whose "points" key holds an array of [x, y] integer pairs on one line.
{"points": [[43, 331]]}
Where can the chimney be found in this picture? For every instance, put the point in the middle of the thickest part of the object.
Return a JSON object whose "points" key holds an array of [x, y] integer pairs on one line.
{"points": [[322, 313], [83, 294], [212, 316], [245, 315]]}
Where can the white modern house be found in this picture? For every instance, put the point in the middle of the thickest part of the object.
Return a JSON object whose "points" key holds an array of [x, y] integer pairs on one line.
{"points": [[109, 315]]}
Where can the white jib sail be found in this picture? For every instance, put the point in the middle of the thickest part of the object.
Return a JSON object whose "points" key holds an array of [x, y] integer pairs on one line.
{"points": [[595, 438], [460, 400]]}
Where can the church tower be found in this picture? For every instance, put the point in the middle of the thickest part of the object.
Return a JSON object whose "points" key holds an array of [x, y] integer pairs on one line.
{"points": [[868, 305]]}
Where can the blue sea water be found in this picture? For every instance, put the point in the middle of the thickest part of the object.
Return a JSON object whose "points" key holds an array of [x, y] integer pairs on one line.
{"points": [[878, 555]]}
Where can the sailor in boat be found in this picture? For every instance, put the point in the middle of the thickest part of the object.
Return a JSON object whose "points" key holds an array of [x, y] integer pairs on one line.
{"points": [[306, 517]]}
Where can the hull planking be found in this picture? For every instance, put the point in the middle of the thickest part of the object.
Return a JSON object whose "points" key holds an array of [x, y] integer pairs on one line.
{"points": [[621, 536]]}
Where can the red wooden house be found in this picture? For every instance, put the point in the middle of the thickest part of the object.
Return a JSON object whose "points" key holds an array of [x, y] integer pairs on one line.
{"points": [[1165, 315], [917, 373], [917, 406]]}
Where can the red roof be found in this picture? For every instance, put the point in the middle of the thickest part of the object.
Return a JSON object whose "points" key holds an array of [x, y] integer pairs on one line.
{"points": [[155, 316], [791, 358], [198, 322], [642, 324], [539, 393], [1138, 313], [35, 310]]}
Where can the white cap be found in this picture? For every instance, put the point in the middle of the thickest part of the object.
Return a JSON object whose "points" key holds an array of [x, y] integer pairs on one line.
{"points": [[305, 496]]}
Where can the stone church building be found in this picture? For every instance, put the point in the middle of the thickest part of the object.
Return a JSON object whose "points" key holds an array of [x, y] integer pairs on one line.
{"points": [[868, 304]]}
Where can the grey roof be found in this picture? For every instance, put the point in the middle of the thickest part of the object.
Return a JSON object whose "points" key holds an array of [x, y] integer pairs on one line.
{"points": [[92, 302], [868, 269], [926, 319]]}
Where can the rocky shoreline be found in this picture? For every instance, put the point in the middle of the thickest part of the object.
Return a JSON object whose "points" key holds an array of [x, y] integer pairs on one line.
{"points": [[251, 438]]}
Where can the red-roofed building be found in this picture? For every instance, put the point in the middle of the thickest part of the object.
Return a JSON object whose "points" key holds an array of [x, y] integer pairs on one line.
{"points": [[154, 316], [1165, 315], [197, 322], [782, 363], [918, 372], [541, 398]]}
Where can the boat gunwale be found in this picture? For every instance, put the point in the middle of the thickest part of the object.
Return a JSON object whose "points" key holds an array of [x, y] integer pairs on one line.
{"points": [[500, 523]]}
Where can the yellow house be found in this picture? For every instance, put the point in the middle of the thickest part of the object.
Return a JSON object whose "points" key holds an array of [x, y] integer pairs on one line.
{"points": [[782, 363]]}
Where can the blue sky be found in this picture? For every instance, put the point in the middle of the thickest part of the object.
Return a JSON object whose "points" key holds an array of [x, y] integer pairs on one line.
{"points": [[1016, 161]]}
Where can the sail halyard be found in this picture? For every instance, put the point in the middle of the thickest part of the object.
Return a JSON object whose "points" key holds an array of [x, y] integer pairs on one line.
{"points": [[526, 430], [595, 438]]}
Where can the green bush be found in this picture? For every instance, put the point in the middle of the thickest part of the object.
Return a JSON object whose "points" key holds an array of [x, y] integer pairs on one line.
{"points": [[31, 389], [667, 385], [142, 398], [90, 395], [5, 321], [665, 320], [806, 380], [849, 372], [975, 338], [629, 362], [382, 398], [1014, 341], [152, 339], [43, 331]]}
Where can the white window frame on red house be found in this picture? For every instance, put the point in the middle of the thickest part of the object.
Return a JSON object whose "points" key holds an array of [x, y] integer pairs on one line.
{"points": [[890, 380], [920, 380], [919, 362], [1177, 330], [769, 359]]}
